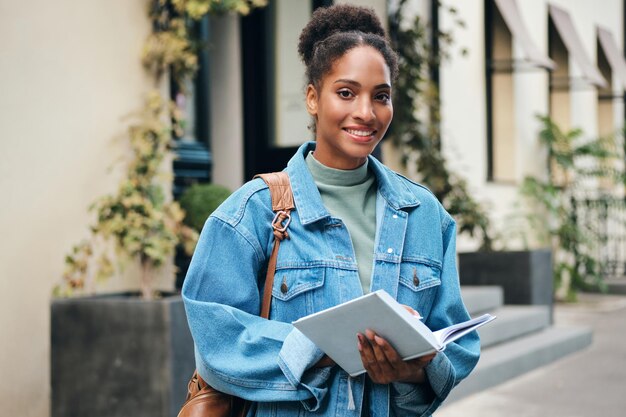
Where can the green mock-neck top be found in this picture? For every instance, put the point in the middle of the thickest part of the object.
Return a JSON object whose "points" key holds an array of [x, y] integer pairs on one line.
{"points": [[350, 195]]}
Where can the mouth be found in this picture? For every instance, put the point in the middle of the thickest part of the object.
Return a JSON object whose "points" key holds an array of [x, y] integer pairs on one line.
{"points": [[361, 134]]}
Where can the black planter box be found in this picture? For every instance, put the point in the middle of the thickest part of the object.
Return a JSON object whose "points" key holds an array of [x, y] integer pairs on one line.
{"points": [[119, 356], [525, 276]]}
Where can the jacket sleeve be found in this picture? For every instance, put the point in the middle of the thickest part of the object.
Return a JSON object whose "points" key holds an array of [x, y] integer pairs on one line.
{"points": [[237, 351], [458, 359]]}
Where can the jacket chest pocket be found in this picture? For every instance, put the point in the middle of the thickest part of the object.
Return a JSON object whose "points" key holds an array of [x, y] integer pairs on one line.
{"points": [[419, 282], [294, 292]]}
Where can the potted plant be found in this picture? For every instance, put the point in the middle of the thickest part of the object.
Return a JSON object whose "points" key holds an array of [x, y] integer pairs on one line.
{"points": [[580, 169], [131, 354]]}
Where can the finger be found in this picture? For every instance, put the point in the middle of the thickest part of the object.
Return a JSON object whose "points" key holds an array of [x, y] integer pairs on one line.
{"points": [[390, 366], [423, 361], [391, 355], [367, 352], [378, 352], [379, 369], [430, 357], [412, 311], [426, 359]]}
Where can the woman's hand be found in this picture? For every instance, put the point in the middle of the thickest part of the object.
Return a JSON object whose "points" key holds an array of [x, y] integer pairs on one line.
{"points": [[384, 365]]}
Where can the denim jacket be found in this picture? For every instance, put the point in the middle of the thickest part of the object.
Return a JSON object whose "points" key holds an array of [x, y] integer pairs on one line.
{"points": [[269, 361]]}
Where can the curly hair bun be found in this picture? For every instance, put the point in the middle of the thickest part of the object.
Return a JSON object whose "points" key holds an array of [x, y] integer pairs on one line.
{"points": [[327, 21]]}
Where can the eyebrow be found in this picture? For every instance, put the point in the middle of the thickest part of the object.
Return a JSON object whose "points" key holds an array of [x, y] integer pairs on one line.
{"points": [[357, 84]]}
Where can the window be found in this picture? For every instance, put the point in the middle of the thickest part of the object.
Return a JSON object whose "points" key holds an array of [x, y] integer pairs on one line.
{"points": [[503, 26], [612, 66], [565, 43], [559, 79], [605, 107], [502, 131]]}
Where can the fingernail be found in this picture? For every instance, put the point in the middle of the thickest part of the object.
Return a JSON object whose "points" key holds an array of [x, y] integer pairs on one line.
{"points": [[379, 341]]}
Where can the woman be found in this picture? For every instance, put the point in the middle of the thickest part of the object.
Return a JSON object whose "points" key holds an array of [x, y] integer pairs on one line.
{"points": [[357, 227]]}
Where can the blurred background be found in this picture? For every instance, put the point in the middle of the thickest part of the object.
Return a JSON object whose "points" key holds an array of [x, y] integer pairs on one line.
{"points": [[512, 112]]}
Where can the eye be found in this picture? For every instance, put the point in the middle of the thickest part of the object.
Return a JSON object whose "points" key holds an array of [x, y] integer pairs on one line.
{"points": [[383, 97], [345, 93]]}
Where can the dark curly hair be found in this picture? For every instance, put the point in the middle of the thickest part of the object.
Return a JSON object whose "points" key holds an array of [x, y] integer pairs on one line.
{"points": [[333, 31]]}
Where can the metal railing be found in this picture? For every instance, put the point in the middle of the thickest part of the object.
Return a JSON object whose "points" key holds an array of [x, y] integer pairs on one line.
{"points": [[604, 221]]}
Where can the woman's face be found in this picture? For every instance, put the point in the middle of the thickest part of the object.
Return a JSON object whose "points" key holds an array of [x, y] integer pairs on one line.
{"points": [[352, 108]]}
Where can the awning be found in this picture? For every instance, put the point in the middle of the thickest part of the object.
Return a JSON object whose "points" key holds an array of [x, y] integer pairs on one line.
{"points": [[565, 27], [511, 15], [613, 55]]}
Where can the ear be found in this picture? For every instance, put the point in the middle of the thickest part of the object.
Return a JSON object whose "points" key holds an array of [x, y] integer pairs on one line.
{"points": [[311, 100]]}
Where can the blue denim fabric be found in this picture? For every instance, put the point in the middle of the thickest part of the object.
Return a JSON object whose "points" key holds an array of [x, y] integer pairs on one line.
{"points": [[270, 362]]}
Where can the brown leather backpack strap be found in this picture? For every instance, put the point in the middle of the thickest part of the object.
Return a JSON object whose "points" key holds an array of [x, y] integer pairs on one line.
{"points": [[282, 204], [280, 189]]}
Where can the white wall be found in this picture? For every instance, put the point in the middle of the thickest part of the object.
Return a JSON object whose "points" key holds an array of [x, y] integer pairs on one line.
{"points": [[226, 102], [70, 71]]}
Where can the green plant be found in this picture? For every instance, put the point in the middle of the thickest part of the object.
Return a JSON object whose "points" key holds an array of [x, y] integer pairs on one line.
{"points": [[577, 167], [139, 221], [199, 201], [419, 137]]}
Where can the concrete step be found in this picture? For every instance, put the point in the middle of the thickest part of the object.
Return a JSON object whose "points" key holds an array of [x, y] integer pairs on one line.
{"points": [[513, 322], [482, 299], [616, 286], [504, 361]]}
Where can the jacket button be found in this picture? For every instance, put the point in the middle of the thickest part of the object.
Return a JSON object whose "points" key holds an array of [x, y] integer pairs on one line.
{"points": [[283, 287], [416, 280]]}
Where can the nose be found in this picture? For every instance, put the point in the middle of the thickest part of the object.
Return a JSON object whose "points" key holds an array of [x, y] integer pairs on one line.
{"points": [[364, 110]]}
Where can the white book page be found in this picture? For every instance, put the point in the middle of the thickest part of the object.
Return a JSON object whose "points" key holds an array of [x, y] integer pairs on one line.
{"points": [[452, 333]]}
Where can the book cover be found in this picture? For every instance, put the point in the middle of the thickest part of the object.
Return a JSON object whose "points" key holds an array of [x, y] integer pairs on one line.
{"points": [[334, 330]]}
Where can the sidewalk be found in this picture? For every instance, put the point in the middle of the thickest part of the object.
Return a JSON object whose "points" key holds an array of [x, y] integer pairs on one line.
{"points": [[588, 383]]}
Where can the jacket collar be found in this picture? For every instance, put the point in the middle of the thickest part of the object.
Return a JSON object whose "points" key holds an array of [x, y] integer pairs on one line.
{"points": [[391, 187]]}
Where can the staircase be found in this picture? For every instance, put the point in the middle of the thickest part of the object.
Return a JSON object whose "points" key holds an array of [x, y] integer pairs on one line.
{"points": [[616, 285], [521, 339]]}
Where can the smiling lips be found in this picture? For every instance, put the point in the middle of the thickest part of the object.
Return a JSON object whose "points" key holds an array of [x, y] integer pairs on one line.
{"points": [[360, 133]]}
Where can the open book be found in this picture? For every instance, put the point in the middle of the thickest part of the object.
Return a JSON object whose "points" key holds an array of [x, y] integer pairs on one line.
{"points": [[334, 330]]}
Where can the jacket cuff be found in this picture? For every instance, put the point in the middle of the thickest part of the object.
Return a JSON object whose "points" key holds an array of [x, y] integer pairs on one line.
{"points": [[297, 355], [424, 399], [441, 375]]}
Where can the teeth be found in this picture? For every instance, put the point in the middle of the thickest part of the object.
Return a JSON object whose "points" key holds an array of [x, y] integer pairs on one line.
{"points": [[360, 132]]}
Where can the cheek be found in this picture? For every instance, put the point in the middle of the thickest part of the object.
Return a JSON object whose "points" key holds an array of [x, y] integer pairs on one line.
{"points": [[335, 111], [386, 114]]}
